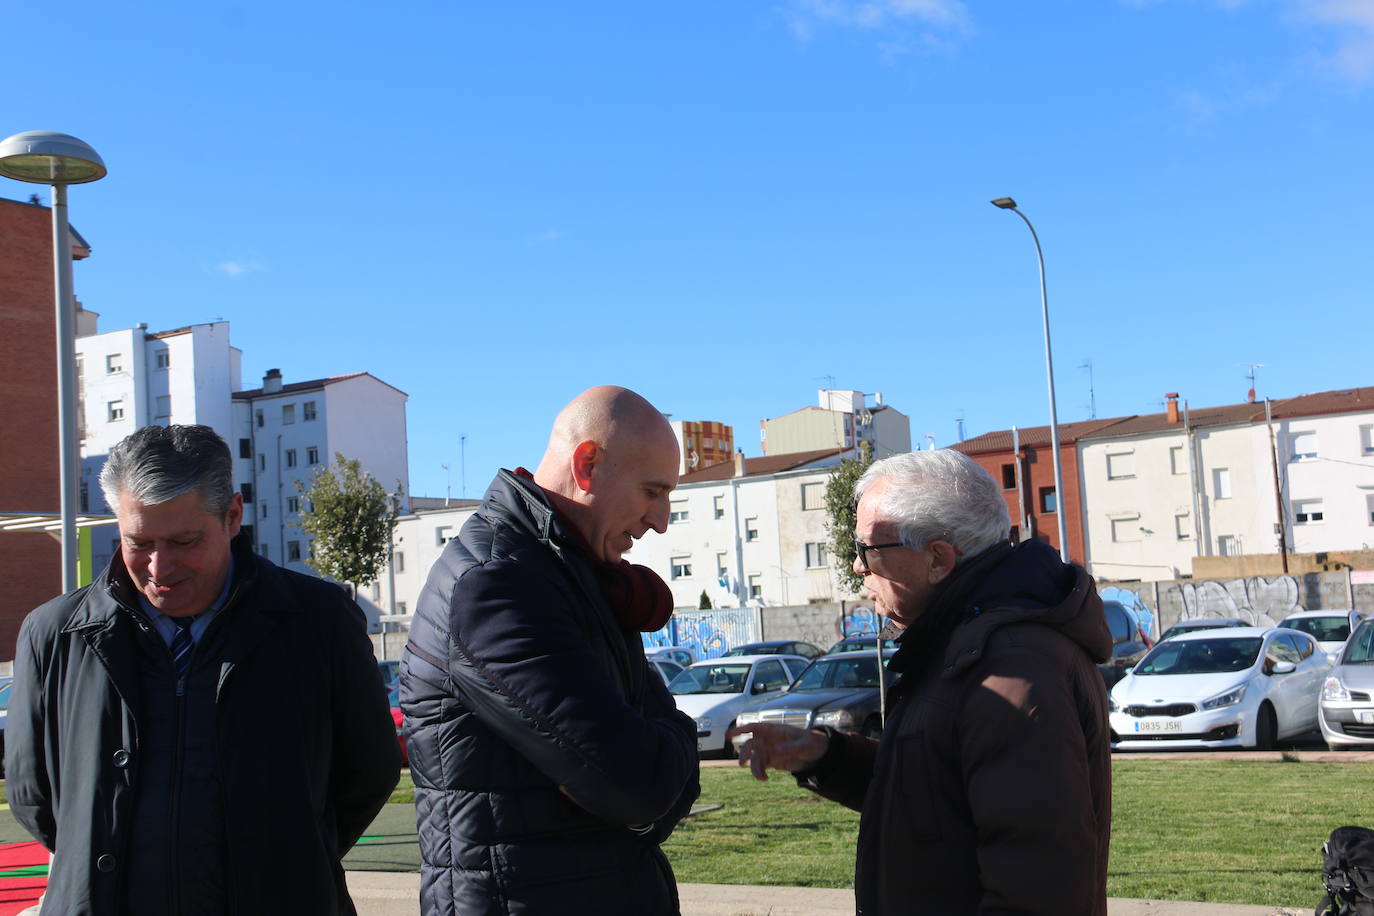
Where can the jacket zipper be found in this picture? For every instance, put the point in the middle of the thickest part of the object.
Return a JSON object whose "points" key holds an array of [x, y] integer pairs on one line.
{"points": [[175, 808]]}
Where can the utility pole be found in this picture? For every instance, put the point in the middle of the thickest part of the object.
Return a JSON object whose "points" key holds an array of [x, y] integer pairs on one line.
{"points": [[1278, 489]]}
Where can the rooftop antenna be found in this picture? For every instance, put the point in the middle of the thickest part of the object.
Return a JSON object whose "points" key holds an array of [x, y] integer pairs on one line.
{"points": [[463, 464], [1250, 395], [930, 442], [1092, 396], [448, 485], [959, 424]]}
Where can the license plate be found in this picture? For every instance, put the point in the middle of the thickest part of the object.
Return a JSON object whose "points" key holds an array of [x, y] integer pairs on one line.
{"points": [[1365, 716], [1160, 725]]}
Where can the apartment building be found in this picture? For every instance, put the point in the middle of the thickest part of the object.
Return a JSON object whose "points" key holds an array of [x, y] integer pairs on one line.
{"points": [[842, 419]]}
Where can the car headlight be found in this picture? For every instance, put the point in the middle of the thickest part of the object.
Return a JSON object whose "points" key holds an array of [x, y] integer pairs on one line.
{"points": [[748, 718], [835, 718], [1229, 698], [704, 723], [1111, 704], [1335, 689]]}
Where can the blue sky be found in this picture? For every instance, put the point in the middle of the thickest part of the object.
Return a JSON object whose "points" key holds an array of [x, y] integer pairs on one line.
{"points": [[726, 205]]}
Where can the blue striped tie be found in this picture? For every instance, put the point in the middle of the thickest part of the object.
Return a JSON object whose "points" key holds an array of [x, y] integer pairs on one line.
{"points": [[182, 645]]}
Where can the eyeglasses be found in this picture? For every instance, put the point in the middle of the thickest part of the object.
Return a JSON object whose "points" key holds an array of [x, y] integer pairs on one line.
{"points": [[862, 550]]}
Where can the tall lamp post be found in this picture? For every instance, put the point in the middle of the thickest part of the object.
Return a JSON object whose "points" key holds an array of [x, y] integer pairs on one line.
{"points": [[1006, 203], [45, 157]]}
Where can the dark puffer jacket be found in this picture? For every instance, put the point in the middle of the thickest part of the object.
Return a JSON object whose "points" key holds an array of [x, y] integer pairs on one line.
{"points": [[549, 762], [990, 791]]}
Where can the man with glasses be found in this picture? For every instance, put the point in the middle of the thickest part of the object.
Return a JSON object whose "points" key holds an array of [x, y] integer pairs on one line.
{"points": [[990, 790]]}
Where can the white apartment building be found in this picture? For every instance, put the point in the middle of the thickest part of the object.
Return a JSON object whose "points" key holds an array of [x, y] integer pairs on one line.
{"points": [[278, 434], [419, 538], [842, 420], [748, 533], [1158, 491]]}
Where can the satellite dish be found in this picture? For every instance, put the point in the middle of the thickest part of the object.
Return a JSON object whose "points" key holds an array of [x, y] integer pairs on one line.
{"points": [[693, 459]]}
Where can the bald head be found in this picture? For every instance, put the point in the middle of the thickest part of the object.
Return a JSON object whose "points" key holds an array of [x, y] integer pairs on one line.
{"points": [[611, 462]]}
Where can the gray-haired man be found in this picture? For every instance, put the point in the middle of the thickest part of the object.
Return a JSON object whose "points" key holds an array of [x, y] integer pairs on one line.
{"points": [[197, 731]]}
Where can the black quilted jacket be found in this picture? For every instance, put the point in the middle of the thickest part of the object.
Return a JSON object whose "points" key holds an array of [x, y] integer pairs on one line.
{"points": [[549, 762]]}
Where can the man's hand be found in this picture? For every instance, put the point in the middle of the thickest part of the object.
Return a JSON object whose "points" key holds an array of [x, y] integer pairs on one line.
{"points": [[779, 747]]}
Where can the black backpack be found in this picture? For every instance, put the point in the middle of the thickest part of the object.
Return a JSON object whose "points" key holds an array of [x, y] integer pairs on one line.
{"points": [[1348, 873]]}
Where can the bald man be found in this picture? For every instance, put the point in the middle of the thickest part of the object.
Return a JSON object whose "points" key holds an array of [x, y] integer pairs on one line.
{"points": [[549, 762]]}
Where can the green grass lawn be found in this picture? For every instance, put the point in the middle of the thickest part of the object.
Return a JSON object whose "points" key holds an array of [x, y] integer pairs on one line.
{"points": [[1222, 831]]}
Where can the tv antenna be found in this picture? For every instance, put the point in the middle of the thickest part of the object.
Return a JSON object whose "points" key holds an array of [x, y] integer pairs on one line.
{"points": [[1250, 395], [1092, 396]]}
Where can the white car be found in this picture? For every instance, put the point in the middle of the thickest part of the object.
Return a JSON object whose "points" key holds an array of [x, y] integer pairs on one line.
{"points": [[1346, 710], [713, 691], [1237, 687], [666, 668], [1329, 628]]}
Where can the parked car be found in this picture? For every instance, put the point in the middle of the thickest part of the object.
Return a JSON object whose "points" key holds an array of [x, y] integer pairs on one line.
{"points": [[1129, 642], [666, 668], [775, 647], [675, 654], [6, 685], [840, 690], [1346, 709], [1329, 628], [711, 692], [391, 673], [1241, 687], [393, 698], [1203, 623], [861, 644]]}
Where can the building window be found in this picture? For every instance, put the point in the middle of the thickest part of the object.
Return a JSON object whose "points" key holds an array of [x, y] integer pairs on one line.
{"points": [[1008, 477], [308, 411], [312, 455], [293, 550], [246, 448], [398, 562], [815, 555], [262, 462], [442, 535], [718, 507], [114, 363], [1221, 483], [258, 415], [755, 586], [163, 407], [1120, 465], [682, 567], [1228, 545], [293, 504], [722, 570], [1367, 439], [1126, 530], [247, 490], [288, 414], [751, 529], [376, 591], [1049, 500], [1307, 511], [262, 509], [1369, 507], [813, 496], [1178, 463], [1183, 526], [115, 411], [263, 549], [677, 511], [164, 359], [291, 457], [1303, 446], [401, 608]]}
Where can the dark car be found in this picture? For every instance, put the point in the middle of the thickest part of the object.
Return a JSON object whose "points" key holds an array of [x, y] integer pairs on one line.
{"points": [[861, 644], [840, 690], [1129, 642], [1203, 623], [775, 647]]}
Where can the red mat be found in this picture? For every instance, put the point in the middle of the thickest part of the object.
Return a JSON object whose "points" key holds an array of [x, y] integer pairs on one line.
{"points": [[23, 876]]}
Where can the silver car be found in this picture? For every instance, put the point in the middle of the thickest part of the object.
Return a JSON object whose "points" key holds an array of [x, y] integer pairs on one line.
{"points": [[1346, 708]]}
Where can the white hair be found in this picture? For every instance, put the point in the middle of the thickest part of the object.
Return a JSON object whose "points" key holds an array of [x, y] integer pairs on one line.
{"points": [[940, 495]]}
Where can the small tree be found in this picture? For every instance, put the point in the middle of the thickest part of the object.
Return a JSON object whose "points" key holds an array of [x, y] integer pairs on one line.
{"points": [[704, 604], [840, 510], [351, 518]]}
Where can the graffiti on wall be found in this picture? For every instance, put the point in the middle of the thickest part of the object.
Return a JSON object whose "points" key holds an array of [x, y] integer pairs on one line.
{"points": [[707, 634], [861, 621], [1131, 601], [1263, 602]]}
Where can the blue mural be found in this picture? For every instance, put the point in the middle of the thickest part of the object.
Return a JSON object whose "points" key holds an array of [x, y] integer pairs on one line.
{"points": [[1131, 601], [861, 621], [707, 634]]}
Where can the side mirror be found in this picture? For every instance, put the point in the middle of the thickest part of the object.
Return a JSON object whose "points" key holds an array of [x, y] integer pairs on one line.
{"points": [[1281, 668]]}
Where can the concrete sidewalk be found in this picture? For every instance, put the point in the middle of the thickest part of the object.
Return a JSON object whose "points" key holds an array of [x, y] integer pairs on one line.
{"points": [[379, 893]]}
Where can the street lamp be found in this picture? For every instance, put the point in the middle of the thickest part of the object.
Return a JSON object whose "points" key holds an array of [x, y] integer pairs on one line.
{"points": [[45, 157], [1006, 203]]}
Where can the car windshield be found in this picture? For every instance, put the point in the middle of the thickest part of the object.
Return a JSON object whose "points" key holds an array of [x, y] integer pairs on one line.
{"points": [[862, 645], [711, 679], [1360, 649], [1335, 628], [756, 649], [1192, 627], [838, 672], [1200, 656]]}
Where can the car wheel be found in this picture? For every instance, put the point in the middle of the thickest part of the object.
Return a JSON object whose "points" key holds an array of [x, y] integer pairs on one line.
{"points": [[873, 728], [1266, 728]]}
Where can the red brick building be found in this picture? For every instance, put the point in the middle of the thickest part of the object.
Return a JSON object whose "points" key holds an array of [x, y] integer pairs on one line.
{"points": [[30, 563], [1031, 498]]}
